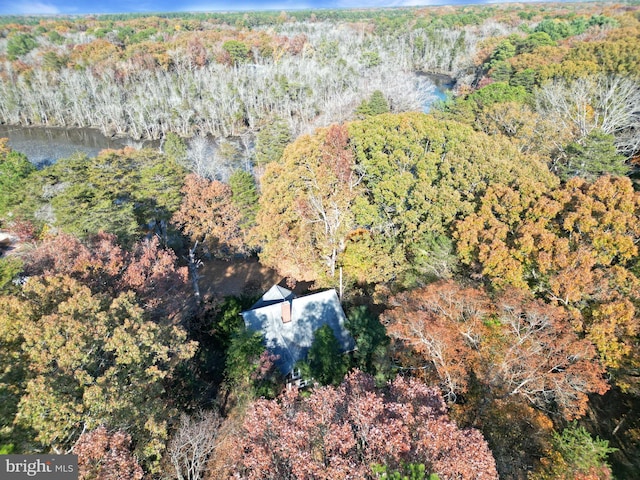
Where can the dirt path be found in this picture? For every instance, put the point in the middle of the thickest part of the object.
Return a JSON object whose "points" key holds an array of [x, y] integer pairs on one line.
{"points": [[220, 278]]}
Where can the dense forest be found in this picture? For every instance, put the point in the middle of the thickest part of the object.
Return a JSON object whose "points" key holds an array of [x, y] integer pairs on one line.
{"points": [[486, 252]]}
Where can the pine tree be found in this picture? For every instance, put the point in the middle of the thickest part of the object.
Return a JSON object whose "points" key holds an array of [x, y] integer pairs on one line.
{"points": [[271, 142], [244, 195], [592, 157], [326, 364]]}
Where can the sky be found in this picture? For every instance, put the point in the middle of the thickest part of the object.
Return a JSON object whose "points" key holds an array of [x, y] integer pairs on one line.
{"points": [[73, 7]]}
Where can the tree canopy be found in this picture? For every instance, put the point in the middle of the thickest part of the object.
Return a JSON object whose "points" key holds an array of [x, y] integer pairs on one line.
{"points": [[510, 346], [209, 215], [390, 186], [125, 192], [90, 360], [575, 246], [14, 169], [341, 432]]}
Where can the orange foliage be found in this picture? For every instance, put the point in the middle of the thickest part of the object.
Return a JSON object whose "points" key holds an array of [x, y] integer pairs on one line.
{"points": [[512, 347], [208, 215], [574, 246]]}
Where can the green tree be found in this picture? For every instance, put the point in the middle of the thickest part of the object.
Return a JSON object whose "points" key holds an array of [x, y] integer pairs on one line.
{"points": [[83, 210], [10, 268], [593, 156], [14, 169], [575, 454], [271, 142], [125, 192], [501, 71], [419, 176], [20, 44], [524, 78], [244, 194], [504, 51], [326, 363], [238, 51], [55, 37], [175, 148], [371, 352], [54, 62], [371, 59], [376, 105], [227, 321], [242, 356], [534, 41], [498, 92]]}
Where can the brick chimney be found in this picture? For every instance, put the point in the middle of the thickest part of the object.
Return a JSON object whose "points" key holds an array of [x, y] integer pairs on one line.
{"points": [[286, 311]]}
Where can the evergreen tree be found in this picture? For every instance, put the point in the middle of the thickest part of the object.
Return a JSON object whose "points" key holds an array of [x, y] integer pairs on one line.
{"points": [[592, 157], [575, 454], [238, 51], [376, 105], [175, 148], [122, 192], [20, 44], [244, 196], [326, 363], [271, 142], [14, 168], [371, 342]]}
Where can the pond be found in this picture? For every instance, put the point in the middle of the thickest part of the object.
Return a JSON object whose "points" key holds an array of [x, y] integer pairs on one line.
{"points": [[45, 145], [439, 86]]}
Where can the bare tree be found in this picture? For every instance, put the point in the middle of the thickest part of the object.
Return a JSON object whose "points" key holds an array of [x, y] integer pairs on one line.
{"points": [[609, 103], [199, 156], [322, 83], [193, 442]]}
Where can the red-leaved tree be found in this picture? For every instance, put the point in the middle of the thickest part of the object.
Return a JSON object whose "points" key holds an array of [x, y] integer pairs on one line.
{"points": [[101, 264], [104, 455], [340, 432]]}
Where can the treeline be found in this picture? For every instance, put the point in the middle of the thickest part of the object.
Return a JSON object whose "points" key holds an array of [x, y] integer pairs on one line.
{"points": [[147, 77], [200, 74], [488, 253]]}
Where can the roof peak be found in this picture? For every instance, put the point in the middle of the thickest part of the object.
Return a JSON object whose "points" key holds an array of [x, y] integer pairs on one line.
{"points": [[275, 294]]}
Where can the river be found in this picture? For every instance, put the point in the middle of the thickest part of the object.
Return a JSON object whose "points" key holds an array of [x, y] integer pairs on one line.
{"points": [[45, 145]]}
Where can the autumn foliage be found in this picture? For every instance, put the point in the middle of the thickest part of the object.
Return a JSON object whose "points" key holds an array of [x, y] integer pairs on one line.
{"points": [[97, 350], [88, 359], [575, 246], [207, 215], [104, 455], [104, 266], [340, 432], [512, 346]]}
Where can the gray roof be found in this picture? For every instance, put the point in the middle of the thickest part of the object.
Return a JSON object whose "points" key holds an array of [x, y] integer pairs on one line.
{"points": [[275, 294], [291, 340]]}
